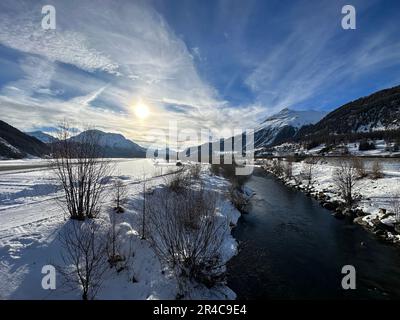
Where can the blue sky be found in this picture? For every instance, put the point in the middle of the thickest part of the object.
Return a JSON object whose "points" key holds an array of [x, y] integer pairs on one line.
{"points": [[204, 64]]}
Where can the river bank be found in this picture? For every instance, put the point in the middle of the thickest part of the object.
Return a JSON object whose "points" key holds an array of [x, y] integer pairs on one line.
{"points": [[376, 199], [291, 248]]}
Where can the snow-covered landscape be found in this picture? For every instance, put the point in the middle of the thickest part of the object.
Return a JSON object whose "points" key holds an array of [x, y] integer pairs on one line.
{"points": [[31, 221], [199, 150]]}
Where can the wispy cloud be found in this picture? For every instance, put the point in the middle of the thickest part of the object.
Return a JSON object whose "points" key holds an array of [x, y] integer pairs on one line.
{"points": [[104, 57]]}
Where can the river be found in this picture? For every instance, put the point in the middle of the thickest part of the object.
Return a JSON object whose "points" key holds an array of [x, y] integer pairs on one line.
{"points": [[292, 248]]}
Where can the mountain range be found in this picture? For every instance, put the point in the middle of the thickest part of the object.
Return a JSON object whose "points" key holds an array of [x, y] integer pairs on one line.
{"points": [[15, 144], [375, 113], [113, 145], [370, 116]]}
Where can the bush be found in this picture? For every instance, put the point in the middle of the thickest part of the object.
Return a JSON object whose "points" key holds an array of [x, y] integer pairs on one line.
{"points": [[288, 168], [395, 207], [228, 171], [84, 253], [238, 198], [82, 171], [376, 171], [345, 179], [359, 166], [120, 193], [195, 170], [215, 169], [178, 181], [307, 171], [187, 235], [277, 167]]}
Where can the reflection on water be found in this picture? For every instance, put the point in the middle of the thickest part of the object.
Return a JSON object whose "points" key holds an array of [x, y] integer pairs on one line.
{"points": [[292, 248]]}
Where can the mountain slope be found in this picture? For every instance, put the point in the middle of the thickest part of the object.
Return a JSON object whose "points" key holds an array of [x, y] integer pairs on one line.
{"points": [[44, 137], [16, 144], [112, 144], [284, 125], [379, 111]]}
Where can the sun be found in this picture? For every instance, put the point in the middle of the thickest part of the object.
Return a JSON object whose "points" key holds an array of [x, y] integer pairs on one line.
{"points": [[141, 110]]}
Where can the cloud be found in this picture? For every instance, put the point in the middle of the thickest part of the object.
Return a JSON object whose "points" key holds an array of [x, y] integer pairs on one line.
{"points": [[124, 53], [103, 57], [317, 56], [22, 31]]}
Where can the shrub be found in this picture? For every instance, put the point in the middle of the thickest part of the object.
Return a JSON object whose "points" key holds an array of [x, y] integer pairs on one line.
{"points": [[84, 253], [277, 167], [187, 235], [288, 168], [345, 179], [120, 193], [195, 170], [178, 181], [215, 169], [359, 166], [376, 170]]}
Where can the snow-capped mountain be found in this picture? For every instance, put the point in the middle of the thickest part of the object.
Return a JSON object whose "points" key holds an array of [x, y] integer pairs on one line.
{"points": [[284, 125], [44, 137], [14, 144], [114, 144]]}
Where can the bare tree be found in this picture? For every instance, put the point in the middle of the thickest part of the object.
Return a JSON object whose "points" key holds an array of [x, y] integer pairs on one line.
{"points": [[307, 172], [395, 207], [358, 164], [377, 172], [120, 191], [345, 179], [187, 235], [277, 167], [144, 208], [288, 168], [81, 171], [84, 253]]}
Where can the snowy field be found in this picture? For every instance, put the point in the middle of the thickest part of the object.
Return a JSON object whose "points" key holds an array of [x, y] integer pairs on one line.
{"points": [[31, 220]]}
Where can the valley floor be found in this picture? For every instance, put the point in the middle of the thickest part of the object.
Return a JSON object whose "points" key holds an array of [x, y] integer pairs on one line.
{"points": [[31, 221]]}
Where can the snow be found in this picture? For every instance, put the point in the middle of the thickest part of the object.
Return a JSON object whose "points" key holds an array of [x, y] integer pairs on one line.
{"points": [[107, 139], [268, 130], [381, 149], [31, 221], [287, 117], [376, 194], [9, 146]]}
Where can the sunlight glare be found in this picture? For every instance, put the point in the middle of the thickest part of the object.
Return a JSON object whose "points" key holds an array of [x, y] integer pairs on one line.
{"points": [[142, 111]]}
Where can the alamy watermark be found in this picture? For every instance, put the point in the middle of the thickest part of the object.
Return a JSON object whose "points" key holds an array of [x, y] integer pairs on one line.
{"points": [[349, 20], [349, 280], [49, 19], [49, 280]]}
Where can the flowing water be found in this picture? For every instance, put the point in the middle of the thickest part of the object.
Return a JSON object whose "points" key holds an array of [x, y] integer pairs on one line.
{"points": [[292, 248]]}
